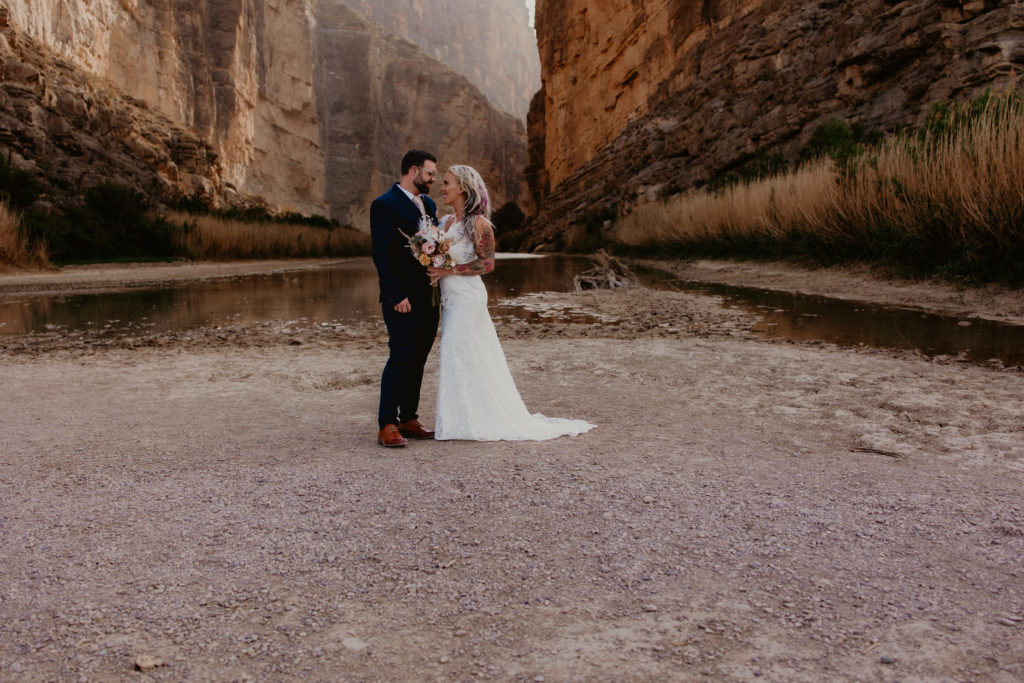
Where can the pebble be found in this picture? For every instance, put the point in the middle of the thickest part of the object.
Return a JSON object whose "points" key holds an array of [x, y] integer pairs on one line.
{"points": [[445, 660], [354, 644], [887, 660], [648, 499], [650, 608], [148, 662], [1007, 622]]}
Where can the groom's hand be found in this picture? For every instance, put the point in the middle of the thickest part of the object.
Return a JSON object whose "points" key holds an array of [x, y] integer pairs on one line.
{"points": [[403, 306]]}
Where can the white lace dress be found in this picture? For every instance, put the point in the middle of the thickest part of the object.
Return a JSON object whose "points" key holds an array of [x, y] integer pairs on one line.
{"points": [[476, 397]]}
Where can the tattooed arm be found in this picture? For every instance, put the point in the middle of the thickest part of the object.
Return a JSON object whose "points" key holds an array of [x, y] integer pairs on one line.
{"points": [[483, 240]]}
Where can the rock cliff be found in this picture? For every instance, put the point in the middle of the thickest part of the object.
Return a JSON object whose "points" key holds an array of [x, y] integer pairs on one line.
{"points": [[301, 104], [238, 73], [490, 43], [72, 130], [380, 95], [641, 97]]}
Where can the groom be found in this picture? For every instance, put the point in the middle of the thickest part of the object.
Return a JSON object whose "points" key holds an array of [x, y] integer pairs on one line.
{"points": [[406, 298]]}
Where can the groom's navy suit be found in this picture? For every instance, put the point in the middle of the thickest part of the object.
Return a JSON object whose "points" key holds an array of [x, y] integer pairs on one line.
{"points": [[410, 335]]}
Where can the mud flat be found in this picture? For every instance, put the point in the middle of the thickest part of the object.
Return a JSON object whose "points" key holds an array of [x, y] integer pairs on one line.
{"points": [[212, 505]]}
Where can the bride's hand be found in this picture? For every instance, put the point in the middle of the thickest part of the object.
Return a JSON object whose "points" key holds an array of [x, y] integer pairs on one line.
{"points": [[437, 273]]}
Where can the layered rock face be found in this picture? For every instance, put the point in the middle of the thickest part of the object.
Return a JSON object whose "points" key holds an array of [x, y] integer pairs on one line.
{"points": [[640, 97], [300, 104], [381, 96], [488, 42], [74, 131], [238, 72]]}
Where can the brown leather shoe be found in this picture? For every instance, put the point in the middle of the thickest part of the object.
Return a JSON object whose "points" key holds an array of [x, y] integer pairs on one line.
{"points": [[414, 430], [390, 438]]}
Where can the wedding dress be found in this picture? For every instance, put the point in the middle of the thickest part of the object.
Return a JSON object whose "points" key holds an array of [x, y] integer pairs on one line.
{"points": [[476, 397]]}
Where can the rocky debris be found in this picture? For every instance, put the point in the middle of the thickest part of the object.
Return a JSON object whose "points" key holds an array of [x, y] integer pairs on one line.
{"points": [[644, 101]]}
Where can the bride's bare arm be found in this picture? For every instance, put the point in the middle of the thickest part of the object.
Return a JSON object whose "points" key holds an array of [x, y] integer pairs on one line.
{"points": [[483, 240]]}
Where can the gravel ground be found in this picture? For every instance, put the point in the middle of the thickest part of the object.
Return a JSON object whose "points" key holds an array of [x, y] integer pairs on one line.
{"points": [[212, 505]]}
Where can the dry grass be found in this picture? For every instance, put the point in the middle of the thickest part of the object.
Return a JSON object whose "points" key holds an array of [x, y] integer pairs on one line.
{"points": [[15, 250], [967, 188], [950, 202], [767, 207], [218, 239]]}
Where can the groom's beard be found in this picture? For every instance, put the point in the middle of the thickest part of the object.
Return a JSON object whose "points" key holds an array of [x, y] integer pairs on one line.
{"points": [[422, 185]]}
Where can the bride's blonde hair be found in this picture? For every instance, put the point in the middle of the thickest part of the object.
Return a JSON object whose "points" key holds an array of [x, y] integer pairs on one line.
{"points": [[478, 202]]}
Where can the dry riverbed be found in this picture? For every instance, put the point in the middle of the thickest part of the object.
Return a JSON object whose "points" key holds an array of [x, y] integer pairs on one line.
{"points": [[212, 505]]}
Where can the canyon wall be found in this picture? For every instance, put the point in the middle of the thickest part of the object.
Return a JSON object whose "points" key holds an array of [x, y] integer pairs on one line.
{"points": [[72, 131], [380, 96], [302, 105], [237, 72], [643, 98], [490, 42]]}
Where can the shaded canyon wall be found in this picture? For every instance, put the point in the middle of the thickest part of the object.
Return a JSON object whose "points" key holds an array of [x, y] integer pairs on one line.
{"points": [[380, 96], [640, 96], [490, 42], [301, 104]]}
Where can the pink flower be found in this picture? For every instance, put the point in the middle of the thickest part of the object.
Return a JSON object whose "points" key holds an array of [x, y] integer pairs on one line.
{"points": [[428, 248], [438, 260]]}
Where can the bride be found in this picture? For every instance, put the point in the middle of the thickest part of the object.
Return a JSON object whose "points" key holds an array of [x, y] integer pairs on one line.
{"points": [[476, 396]]}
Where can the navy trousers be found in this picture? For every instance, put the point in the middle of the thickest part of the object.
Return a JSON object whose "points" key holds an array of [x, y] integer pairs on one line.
{"points": [[410, 338]]}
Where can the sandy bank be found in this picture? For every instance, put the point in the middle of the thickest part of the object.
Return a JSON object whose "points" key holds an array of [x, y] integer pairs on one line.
{"points": [[746, 508]]}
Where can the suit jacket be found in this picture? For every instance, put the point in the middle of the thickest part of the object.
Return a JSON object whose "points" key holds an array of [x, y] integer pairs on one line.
{"points": [[401, 276]]}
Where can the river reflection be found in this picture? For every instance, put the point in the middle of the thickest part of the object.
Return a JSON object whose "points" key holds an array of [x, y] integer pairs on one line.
{"points": [[347, 292], [340, 292], [855, 323]]}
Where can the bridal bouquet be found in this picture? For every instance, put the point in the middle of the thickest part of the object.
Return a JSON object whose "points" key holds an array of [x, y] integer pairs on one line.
{"points": [[430, 248]]}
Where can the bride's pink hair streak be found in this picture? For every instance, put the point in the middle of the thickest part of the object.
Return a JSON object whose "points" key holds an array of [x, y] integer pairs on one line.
{"points": [[478, 202]]}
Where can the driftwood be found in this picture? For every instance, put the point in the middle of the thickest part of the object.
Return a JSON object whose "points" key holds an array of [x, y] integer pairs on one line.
{"points": [[608, 273]]}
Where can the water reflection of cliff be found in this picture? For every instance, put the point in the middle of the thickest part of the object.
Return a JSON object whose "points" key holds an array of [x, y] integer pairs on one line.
{"points": [[848, 325], [343, 292]]}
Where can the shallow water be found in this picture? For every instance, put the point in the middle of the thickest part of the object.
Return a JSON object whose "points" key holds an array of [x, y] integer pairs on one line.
{"points": [[856, 323], [339, 293], [348, 291]]}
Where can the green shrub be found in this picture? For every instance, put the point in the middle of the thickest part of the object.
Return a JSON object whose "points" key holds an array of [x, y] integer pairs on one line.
{"points": [[841, 142], [584, 235], [763, 165], [199, 205], [18, 189], [112, 222]]}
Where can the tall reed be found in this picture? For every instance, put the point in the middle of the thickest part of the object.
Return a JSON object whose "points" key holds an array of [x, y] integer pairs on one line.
{"points": [[759, 210], [213, 238], [15, 250], [946, 201]]}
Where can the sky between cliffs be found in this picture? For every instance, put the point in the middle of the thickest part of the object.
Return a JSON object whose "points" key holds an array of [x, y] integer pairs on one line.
{"points": [[530, 6]]}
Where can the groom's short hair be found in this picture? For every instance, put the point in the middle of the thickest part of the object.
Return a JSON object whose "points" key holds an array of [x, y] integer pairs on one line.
{"points": [[415, 157]]}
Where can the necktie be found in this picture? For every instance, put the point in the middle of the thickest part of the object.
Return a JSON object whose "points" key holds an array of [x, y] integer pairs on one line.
{"points": [[418, 201]]}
